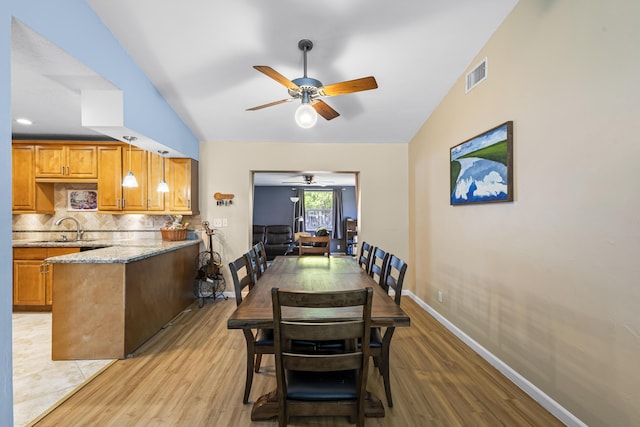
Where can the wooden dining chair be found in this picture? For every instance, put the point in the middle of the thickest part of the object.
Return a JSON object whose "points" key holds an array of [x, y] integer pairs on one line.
{"points": [[261, 252], [307, 245], [380, 344], [364, 259], [379, 260], [311, 383], [260, 342], [253, 264]]}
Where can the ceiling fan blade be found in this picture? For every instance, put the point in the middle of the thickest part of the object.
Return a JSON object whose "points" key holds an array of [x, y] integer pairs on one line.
{"points": [[324, 109], [276, 76], [357, 85], [271, 104]]}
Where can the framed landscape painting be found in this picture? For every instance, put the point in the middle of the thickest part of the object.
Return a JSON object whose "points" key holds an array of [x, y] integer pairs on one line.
{"points": [[82, 200], [482, 167]]}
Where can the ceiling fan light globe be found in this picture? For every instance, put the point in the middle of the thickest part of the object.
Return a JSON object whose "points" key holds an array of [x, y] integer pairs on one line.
{"points": [[306, 116]]}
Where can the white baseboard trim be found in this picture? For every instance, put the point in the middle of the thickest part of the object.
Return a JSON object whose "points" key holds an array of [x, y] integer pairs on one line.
{"points": [[536, 394]]}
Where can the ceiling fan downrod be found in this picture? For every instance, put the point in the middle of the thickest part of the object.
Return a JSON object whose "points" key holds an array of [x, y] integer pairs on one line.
{"points": [[305, 45]]}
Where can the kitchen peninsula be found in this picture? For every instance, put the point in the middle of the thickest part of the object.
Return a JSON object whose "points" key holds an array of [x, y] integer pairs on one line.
{"points": [[108, 301]]}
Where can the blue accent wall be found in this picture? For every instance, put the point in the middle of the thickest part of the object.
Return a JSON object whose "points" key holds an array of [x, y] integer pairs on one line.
{"points": [[272, 206], [74, 27]]}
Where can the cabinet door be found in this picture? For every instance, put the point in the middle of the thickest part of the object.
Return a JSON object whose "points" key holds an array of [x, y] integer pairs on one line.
{"points": [[135, 198], [155, 200], [110, 178], [22, 178], [28, 282], [182, 177], [50, 161], [81, 162], [179, 180]]}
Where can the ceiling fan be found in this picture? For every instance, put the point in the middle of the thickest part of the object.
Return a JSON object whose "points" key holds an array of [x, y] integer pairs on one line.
{"points": [[309, 90], [308, 179]]}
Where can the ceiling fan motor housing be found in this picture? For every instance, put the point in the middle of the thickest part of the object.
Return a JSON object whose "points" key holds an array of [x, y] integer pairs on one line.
{"points": [[305, 84]]}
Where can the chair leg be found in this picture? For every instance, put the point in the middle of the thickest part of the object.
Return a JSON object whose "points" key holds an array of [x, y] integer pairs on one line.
{"points": [[258, 361], [250, 356], [384, 371]]}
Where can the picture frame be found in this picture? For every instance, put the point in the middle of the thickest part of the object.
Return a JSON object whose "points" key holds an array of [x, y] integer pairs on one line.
{"points": [[82, 200], [481, 168]]}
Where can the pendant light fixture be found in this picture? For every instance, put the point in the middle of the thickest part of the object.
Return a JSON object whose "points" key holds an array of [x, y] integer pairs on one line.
{"points": [[130, 180], [163, 187]]}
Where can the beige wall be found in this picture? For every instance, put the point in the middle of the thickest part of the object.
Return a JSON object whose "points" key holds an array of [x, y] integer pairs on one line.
{"points": [[550, 283], [382, 168]]}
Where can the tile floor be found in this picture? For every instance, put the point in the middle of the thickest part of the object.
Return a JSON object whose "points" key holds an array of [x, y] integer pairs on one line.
{"points": [[39, 382]]}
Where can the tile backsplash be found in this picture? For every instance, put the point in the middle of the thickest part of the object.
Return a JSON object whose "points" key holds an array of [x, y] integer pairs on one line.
{"points": [[96, 225]]}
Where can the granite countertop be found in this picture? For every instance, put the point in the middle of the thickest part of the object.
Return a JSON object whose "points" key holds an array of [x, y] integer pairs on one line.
{"points": [[107, 251]]}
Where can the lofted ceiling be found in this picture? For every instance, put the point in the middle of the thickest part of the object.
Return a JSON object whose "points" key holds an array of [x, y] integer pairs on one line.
{"points": [[199, 54]]}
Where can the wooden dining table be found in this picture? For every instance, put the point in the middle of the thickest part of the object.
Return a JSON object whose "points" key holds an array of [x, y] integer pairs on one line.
{"points": [[313, 273]]}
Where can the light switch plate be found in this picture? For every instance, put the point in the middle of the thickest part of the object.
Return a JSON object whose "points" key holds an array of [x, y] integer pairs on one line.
{"points": [[217, 222]]}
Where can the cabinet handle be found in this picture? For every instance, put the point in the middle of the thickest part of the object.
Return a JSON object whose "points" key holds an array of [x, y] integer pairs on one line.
{"points": [[117, 203], [189, 203], [41, 268], [67, 170], [123, 203], [62, 170], [46, 269]]}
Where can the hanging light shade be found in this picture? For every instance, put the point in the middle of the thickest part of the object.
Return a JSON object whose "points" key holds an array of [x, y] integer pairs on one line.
{"points": [[163, 187], [130, 180]]}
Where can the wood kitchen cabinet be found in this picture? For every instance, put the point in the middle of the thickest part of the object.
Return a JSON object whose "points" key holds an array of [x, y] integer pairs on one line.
{"points": [[27, 195], [147, 167], [33, 277], [182, 177], [66, 162], [113, 165], [155, 199], [110, 178]]}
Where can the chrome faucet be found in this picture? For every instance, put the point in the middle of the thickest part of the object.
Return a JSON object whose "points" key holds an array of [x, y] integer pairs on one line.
{"points": [[78, 230]]}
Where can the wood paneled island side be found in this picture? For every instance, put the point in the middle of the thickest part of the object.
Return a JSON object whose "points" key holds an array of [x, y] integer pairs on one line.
{"points": [[109, 301]]}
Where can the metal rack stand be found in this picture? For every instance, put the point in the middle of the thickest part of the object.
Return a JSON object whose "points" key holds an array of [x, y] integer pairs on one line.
{"points": [[209, 281]]}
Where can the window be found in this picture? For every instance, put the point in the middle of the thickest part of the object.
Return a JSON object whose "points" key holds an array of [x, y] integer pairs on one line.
{"points": [[318, 210]]}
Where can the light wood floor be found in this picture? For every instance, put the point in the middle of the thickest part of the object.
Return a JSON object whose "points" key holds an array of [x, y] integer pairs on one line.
{"points": [[192, 374]]}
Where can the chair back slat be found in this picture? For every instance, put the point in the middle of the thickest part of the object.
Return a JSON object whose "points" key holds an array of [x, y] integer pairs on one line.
{"points": [[326, 363], [321, 331]]}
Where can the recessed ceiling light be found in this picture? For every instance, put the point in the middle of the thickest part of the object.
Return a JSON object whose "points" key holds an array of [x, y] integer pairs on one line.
{"points": [[24, 121]]}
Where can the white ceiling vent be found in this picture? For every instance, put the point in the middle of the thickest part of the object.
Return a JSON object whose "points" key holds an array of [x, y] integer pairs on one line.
{"points": [[477, 75]]}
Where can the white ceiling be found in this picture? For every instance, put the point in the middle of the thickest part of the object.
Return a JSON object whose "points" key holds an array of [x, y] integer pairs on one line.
{"points": [[200, 53]]}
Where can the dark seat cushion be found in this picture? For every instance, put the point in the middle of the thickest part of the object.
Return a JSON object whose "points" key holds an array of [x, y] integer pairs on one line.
{"points": [[264, 337], [322, 386], [376, 338]]}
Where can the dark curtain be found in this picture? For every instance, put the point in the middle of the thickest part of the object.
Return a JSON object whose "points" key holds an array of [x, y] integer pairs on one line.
{"points": [[299, 225], [337, 214]]}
